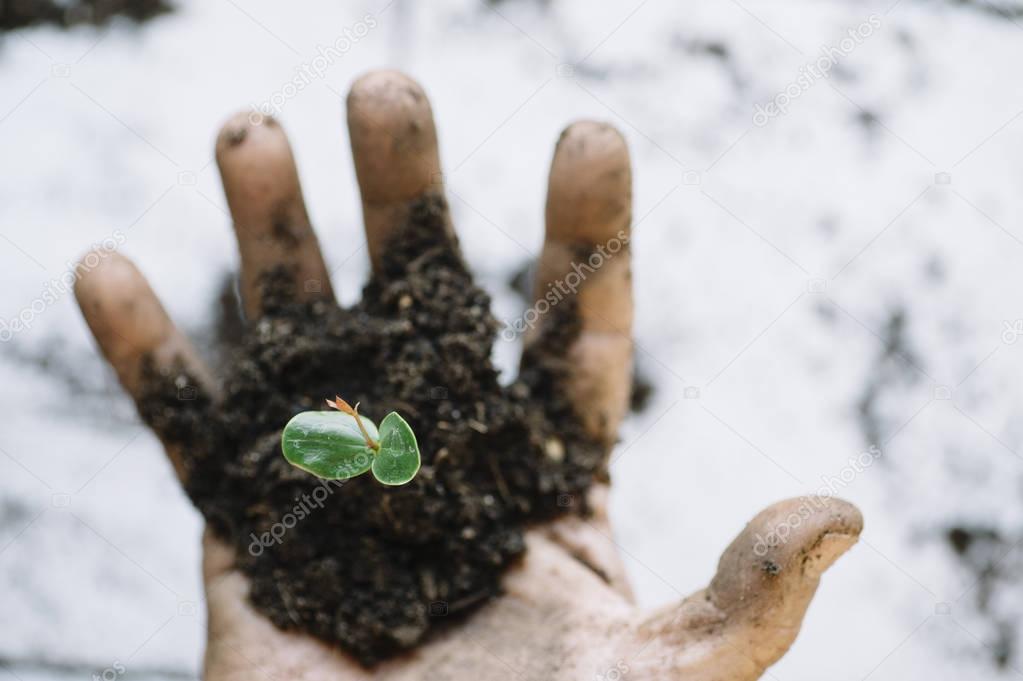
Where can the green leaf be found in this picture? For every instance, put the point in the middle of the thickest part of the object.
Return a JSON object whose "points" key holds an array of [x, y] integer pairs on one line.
{"points": [[328, 444], [397, 462]]}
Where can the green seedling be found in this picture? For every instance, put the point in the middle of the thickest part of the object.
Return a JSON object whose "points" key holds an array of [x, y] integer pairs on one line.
{"points": [[338, 445]]}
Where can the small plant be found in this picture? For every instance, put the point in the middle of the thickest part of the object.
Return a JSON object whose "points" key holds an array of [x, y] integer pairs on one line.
{"points": [[338, 445]]}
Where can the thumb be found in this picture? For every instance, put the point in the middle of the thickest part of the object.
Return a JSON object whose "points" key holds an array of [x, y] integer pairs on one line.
{"points": [[751, 613]]}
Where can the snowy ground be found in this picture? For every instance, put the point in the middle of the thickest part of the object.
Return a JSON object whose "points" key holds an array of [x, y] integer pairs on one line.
{"points": [[845, 275]]}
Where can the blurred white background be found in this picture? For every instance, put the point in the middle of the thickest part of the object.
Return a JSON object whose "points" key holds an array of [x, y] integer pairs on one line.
{"points": [[846, 275]]}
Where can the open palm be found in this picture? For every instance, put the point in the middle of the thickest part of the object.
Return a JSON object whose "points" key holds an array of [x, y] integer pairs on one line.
{"points": [[565, 611]]}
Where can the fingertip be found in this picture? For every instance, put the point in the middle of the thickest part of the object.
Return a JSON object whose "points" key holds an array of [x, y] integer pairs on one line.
{"points": [[839, 530], [394, 95], [87, 276], [128, 322], [393, 137], [794, 525], [251, 135], [589, 196], [812, 515], [119, 306], [389, 85], [588, 139], [791, 543], [97, 266], [235, 130], [844, 516]]}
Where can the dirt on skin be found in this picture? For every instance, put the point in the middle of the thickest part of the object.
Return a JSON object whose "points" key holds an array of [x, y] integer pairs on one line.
{"points": [[642, 391], [372, 568]]}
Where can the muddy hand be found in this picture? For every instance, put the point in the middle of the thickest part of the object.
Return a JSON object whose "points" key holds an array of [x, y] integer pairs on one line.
{"points": [[566, 612]]}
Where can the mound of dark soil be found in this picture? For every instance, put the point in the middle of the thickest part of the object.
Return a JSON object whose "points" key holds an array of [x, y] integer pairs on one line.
{"points": [[364, 566]]}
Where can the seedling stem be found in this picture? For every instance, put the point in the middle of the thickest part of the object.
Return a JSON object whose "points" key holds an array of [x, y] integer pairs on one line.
{"points": [[342, 406]]}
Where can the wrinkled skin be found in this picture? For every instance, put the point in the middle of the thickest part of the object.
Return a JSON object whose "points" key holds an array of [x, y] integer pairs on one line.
{"points": [[566, 611]]}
